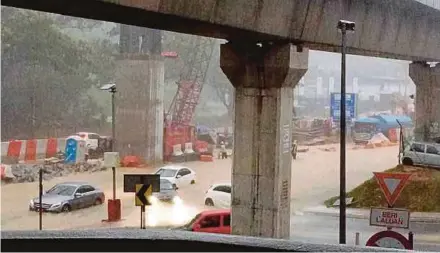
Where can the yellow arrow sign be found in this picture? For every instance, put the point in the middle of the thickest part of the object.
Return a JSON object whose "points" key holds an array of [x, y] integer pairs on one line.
{"points": [[143, 192]]}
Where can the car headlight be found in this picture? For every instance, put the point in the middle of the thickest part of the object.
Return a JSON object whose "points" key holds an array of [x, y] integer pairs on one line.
{"points": [[56, 205], [153, 200], [177, 200]]}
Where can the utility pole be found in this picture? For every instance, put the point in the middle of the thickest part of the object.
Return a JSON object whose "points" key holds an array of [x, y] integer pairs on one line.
{"points": [[343, 27]]}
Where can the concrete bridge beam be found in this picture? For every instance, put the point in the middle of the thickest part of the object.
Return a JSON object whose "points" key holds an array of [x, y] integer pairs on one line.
{"points": [[427, 80], [264, 77]]}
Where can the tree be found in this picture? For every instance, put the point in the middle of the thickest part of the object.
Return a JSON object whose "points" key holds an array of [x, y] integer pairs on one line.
{"points": [[220, 83], [225, 92], [45, 76]]}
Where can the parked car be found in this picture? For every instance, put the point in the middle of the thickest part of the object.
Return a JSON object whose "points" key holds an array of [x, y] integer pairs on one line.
{"points": [[219, 195], [178, 175], [68, 196], [167, 193], [422, 153], [214, 221]]}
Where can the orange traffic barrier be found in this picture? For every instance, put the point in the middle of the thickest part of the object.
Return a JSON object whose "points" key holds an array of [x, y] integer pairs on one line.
{"points": [[206, 158], [31, 150], [51, 148], [14, 148], [130, 161], [392, 135], [3, 172]]}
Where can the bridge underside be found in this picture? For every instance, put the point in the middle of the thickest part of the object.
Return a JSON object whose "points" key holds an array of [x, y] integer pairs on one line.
{"points": [[400, 29]]}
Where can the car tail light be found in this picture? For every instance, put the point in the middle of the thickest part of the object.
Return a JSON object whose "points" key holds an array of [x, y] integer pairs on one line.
{"points": [[82, 136]]}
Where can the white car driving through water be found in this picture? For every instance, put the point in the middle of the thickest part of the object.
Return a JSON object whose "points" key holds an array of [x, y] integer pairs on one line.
{"points": [[219, 195], [178, 175]]}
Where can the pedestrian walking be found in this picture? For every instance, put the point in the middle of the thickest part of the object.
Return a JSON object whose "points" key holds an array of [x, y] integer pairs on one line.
{"points": [[294, 149], [223, 150]]}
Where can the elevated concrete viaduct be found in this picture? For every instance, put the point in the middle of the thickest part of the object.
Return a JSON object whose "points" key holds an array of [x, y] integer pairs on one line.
{"points": [[400, 29], [264, 74]]}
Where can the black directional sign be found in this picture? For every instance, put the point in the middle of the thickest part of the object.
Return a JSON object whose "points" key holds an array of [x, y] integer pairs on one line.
{"points": [[131, 180], [143, 192]]}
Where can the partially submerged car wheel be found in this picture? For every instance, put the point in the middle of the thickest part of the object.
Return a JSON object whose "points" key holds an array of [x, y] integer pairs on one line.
{"points": [[66, 208], [407, 161], [98, 201], [209, 202]]}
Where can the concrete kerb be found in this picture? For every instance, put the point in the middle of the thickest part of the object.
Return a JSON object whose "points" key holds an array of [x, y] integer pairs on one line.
{"points": [[356, 213]]}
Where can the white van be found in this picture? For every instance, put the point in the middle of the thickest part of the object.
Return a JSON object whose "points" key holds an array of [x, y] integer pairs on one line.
{"points": [[91, 139], [422, 153]]}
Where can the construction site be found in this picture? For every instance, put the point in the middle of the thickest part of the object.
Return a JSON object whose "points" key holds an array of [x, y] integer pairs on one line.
{"points": [[141, 105]]}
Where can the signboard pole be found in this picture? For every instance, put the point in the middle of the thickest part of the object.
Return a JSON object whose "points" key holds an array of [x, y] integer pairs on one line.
{"points": [[114, 182], [143, 218], [40, 200], [142, 209], [389, 206], [144, 225], [401, 148], [113, 91], [357, 239]]}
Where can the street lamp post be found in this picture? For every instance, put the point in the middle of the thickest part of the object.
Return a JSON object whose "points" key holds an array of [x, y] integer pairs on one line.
{"points": [[112, 89], [344, 27]]}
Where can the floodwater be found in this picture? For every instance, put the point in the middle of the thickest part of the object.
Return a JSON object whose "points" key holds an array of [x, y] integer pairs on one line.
{"points": [[315, 177]]}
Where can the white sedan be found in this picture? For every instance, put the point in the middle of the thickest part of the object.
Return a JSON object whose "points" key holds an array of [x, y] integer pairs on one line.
{"points": [[219, 195], [178, 175]]}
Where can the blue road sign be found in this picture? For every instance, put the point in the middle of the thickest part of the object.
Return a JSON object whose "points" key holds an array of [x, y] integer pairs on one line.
{"points": [[71, 149], [335, 106]]}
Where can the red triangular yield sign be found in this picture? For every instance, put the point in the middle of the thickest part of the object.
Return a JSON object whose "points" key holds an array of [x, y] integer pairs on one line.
{"points": [[391, 184]]}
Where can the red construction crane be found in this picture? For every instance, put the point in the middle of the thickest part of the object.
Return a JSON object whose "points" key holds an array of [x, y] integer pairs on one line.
{"points": [[178, 129]]}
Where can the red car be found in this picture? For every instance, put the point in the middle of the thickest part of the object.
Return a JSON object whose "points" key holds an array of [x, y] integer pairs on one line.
{"points": [[214, 221]]}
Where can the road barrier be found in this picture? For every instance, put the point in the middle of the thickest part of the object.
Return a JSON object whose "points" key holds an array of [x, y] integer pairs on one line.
{"points": [[31, 150]]}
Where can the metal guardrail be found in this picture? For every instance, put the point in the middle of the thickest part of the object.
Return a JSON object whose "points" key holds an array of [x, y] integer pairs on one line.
{"points": [[130, 239]]}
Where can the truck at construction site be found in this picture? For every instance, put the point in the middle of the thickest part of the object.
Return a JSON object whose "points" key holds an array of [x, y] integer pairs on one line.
{"points": [[364, 129]]}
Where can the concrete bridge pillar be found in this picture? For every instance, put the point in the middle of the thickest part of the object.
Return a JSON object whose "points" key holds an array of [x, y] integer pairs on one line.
{"points": [[139, 107], [264, 77], [427, 104]]}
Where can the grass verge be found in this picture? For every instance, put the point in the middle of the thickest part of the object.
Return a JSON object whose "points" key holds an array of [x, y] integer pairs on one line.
{"points": [[421, 193]]}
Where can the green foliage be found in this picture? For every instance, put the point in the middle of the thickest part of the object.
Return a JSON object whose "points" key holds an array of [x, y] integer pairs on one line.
{"points": [[46, 74], [421, 194]]}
